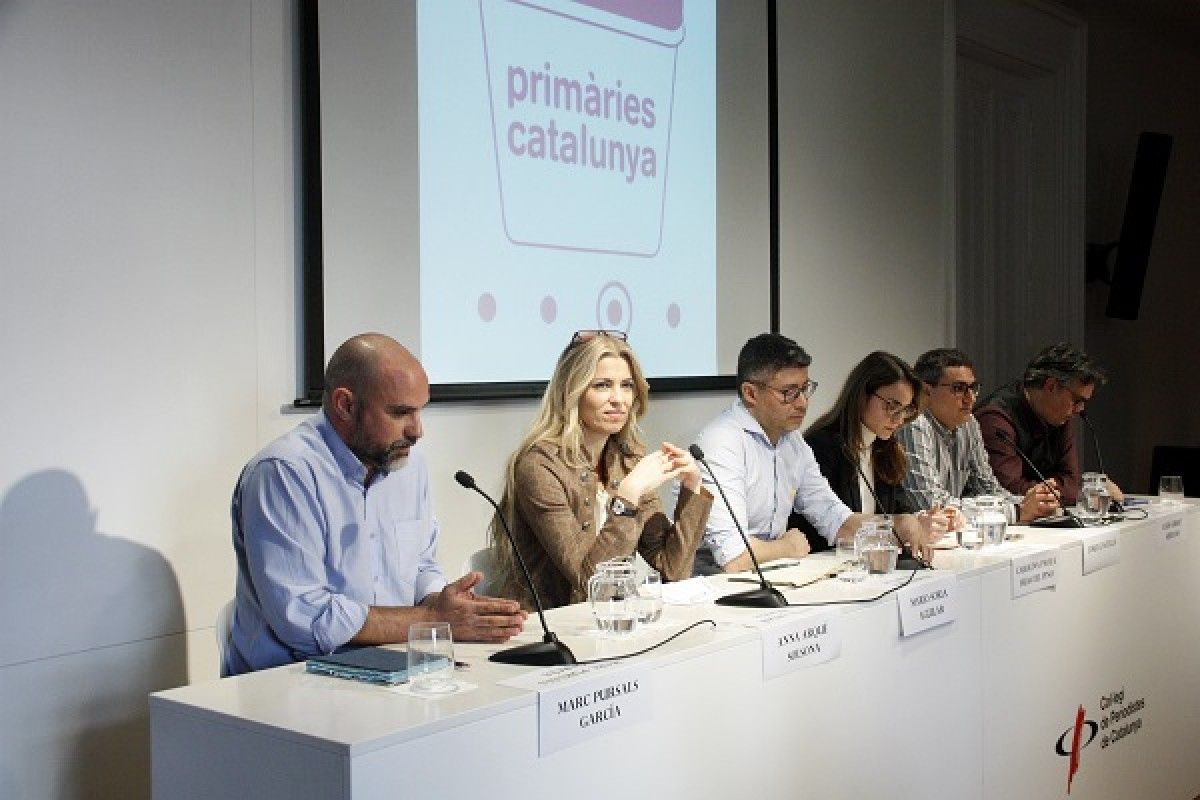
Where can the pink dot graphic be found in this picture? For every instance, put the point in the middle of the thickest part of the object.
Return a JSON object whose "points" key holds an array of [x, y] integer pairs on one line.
{"points": [[673, 315], [549, 309], [614, 307], [614, 312], [487, 307]]}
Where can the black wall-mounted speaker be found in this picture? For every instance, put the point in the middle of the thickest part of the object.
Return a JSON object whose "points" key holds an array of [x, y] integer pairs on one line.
{"points": [[1137, 231]]}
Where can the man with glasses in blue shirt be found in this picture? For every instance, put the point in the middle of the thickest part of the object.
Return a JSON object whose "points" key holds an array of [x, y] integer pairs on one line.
{"points": [[944, 445], [764, 465], [1034, 414]]}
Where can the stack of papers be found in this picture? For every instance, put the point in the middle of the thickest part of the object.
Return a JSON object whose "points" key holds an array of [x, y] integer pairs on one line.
{"points": [[691, 592]]}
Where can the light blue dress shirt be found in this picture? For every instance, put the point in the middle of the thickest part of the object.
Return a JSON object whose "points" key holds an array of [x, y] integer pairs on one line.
{"points": [[315, 547], [764, 484]]}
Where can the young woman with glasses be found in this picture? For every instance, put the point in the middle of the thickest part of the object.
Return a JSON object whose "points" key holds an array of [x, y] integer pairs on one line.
{"points": [[854, 444], [582, 487]]}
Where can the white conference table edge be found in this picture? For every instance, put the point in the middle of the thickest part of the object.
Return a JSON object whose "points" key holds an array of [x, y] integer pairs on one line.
{"points": [[218, 700]]}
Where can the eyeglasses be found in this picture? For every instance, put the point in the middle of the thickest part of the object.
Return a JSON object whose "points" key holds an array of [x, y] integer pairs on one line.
{"points": [[587, 335], [1077, 400], [895, 410], [959, 388], [790, 394]]}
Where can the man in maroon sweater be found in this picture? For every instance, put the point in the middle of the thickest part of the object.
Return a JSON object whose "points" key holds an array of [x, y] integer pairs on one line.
{"points": [[1035, 413]]}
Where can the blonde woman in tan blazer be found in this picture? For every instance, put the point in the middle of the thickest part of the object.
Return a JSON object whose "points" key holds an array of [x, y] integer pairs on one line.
{"points": [[582, 488]]}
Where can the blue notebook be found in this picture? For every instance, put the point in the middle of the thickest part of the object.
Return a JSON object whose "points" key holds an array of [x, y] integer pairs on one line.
{"points": [[369, 664]]}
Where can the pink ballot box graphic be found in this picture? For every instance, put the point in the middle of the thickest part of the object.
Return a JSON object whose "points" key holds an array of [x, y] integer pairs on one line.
{"points": [[581, 95]]}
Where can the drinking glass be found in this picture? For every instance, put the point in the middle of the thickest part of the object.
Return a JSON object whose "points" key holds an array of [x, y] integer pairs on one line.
{"points": [[650, 599], [990, 519], [878, 545], [970, 537], [1095, 498], [850, 557], [613, 595], [430, 658], [1170, 489]]}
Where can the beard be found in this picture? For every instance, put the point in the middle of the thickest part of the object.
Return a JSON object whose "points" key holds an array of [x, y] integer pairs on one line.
{"points": [[381, 456], [394, 458]]}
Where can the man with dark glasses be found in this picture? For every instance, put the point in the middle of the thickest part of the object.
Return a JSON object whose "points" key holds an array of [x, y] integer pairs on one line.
{"points": [[1034, 414], [944, 445]]}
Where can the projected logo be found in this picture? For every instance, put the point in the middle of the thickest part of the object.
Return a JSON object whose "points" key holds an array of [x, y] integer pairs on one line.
{"points": [[581, 97]]}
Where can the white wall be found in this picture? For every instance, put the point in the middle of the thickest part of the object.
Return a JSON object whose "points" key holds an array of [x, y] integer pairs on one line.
{"points": [[864, 201], [147, 252]]}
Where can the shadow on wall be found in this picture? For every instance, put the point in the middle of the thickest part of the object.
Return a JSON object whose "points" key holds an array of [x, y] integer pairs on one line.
{"points": [[91, 623]]}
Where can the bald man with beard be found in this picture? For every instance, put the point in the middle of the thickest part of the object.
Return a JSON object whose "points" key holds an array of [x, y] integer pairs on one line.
{"points": [[333, 528]]}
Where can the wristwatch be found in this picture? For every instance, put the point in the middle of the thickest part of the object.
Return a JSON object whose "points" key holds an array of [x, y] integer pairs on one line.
{"points": [[619, 508]]}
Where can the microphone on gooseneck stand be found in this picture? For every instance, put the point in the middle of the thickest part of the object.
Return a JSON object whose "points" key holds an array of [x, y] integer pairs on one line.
{"points": [[1116, 507], [910, 561], [550, 651], [766, 595], [1067, 521]]}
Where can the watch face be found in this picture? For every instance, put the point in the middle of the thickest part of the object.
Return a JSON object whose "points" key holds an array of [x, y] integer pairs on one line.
{"points": [[619, 508]]}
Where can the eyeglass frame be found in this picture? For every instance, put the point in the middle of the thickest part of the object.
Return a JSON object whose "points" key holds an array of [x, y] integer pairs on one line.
{"points": [[587, 334], [806, 389], [959, 388], [906, 413], [1077, 400]]}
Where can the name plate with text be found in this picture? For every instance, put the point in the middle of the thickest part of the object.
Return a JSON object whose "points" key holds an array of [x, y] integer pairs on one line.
{"points": [[799, 641], [598, 704], [1034, 572], [1101, 550], [1170, 529], [927, 604]]}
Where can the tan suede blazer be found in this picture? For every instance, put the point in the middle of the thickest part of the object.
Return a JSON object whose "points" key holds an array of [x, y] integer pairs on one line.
{"points": [[555, 525]]}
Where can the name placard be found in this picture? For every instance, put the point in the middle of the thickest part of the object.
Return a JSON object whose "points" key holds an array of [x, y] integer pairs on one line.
{"points": [[1101, 550], [1034, 572], [927, 604], [594, 706], [800, 641], [1170, 529]]}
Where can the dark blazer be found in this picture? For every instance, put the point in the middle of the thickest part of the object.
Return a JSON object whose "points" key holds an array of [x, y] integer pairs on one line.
{"points": [[842, 475]]}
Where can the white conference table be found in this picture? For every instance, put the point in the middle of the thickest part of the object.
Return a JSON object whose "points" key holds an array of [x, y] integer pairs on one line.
{"points": [[971, 709]]}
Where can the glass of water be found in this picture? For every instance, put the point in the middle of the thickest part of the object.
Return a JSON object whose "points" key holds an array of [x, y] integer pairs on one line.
{"points": [[990, 519], [431, 658], [1095, 498], [1170, 489], [650, 598], [613, 595], [970, 537], [849, 555]]}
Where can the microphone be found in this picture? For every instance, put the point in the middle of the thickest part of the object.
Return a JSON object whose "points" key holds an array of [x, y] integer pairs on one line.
{"points": [[1070, 520], [766, 595], [910, 561], [1099, 458], [549, 651]]}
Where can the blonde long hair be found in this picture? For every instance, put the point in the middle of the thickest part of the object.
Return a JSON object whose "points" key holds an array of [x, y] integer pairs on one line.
{"points": [[557, 422]]}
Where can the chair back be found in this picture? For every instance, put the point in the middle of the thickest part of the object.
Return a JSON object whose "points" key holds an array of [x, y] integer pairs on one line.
{"points": [[224, 632], [482, 561]]}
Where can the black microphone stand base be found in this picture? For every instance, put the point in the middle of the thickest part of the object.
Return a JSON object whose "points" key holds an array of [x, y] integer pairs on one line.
{"points": [[762, 597], [1061, 521], [549, 652]]}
